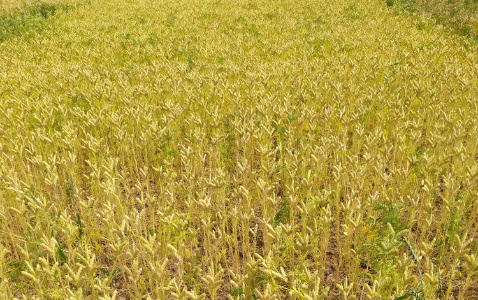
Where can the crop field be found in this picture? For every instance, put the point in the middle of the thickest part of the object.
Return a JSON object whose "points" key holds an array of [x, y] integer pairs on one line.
{"points": [[240, 149]]}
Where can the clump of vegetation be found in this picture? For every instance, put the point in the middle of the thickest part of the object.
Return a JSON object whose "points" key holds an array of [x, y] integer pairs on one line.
{"points": [[16, 20], [460, 15], [244, 149]]}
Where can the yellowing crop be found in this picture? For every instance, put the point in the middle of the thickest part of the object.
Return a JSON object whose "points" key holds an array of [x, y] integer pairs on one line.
{"points": [[242, 149]]}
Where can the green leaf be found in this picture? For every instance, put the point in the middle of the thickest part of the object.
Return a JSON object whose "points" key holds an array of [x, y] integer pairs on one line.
{"points": [[115, 271], [404, 296], [105, 272], [80, 228], [108, 273], [60, 253], [35, 199]]}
